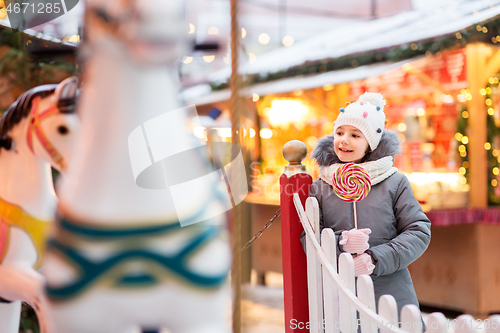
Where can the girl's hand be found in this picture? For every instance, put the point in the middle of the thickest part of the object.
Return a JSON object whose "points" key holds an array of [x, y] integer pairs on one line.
{"points": [[363, 264], [355, 241]]}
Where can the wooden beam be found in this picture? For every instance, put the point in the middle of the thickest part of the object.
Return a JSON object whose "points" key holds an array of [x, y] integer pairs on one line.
{"points": [[476, 56]]}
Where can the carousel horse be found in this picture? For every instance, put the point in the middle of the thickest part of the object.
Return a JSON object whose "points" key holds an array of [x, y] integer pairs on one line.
{"points": [[126, 256], [36, 132]]}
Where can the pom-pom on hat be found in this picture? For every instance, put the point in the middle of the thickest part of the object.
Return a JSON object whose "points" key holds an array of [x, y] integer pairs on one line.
{"points": [[367, 115]]}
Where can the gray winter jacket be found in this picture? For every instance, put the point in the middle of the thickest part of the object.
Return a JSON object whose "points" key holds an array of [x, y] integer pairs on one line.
{"points": [[400, 229]]}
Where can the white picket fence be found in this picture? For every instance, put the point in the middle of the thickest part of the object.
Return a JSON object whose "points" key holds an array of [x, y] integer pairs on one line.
{"points": [[334, 302]]}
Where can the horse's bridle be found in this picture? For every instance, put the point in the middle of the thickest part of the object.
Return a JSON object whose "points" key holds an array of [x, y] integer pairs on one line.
{"points": [[35, 126]]}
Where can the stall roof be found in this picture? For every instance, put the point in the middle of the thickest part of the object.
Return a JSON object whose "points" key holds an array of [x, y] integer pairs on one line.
{"points": [[359, 38], [201, 94]]}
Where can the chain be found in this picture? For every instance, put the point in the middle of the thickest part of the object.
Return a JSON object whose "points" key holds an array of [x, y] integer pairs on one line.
{"points": [[261, 231]]}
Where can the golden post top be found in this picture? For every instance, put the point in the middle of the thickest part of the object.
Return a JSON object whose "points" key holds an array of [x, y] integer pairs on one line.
{"points": [[294, 152]]}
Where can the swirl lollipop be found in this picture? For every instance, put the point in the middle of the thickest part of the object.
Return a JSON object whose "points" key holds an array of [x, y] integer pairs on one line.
{"points": [[351, 183]]}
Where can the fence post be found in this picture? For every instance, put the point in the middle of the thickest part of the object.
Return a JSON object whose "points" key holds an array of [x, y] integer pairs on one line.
{"points": [[295, 179]]}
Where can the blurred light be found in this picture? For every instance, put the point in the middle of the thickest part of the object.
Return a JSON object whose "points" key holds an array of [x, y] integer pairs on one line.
{"points": [[494, 182], [461, 148], [224, 132], [463, 180], [468, 96], [448, 99], [411, 111], [461, 98], [285, 111], [466, 164], [458, 35], [251, 58], [255, 97], [482, 91], [495, 171], [478, 27], [498, 159], [266, 133], [463, 153], [213, 31], [494, 152], [420, 112], [287, 40], [199, 132], [192, 29], [475, 13], [298, 92], [465, 140], [498, 38], [488, 101], [487, 146], [264, 38], [74, 39], [209, 58], [402, 127], [485, 30], [465, 114], [252, 132], [462, 171], [491, 111], [414, 46], [458, 136], [188, 60], [243, 33], [328, 87]]}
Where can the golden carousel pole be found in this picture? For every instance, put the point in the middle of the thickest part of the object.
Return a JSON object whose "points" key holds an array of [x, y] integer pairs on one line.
{"points": [[237, 138]]}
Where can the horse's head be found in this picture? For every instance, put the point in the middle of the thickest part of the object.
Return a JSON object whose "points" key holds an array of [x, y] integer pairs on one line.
{"points": [[148, 31], [42, 122]]}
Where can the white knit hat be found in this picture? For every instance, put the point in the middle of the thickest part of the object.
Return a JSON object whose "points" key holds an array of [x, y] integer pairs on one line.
{"points": [[367, 115]]}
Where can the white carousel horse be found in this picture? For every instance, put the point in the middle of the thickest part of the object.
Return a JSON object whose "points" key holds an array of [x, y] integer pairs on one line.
{"points": [[37, 131], [120, 259]]}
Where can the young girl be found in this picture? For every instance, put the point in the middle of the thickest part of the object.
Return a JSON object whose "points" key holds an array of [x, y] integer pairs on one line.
{"points": [[392, 229]]}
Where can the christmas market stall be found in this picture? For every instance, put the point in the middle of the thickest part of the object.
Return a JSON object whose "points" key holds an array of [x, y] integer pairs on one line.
{"points": [[439, 73]]}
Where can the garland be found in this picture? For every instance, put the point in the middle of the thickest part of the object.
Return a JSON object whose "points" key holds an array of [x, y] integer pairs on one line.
{"points": [[23, 71], [492, 146], [486, 33], [492, 132]]}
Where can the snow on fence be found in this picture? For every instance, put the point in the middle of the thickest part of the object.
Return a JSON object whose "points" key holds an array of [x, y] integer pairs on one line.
{"points": [[318, 298], [334, 301]]}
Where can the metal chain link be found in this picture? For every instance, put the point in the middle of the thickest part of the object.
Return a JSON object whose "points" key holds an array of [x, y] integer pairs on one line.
{"points": [[261, 231]]}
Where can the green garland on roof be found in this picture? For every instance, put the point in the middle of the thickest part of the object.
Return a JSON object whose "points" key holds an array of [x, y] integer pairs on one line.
{"points": [[474, 33], [23, 71]]}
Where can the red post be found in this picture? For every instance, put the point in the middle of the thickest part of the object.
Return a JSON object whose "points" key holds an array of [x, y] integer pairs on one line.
{"points": [[294, 258]]}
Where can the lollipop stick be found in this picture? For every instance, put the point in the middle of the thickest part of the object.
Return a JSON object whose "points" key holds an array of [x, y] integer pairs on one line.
{"points": [[355, 217]]}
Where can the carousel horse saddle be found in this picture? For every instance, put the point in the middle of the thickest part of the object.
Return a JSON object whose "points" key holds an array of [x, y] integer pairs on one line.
{"points": [[93, 271], [12, 215]]}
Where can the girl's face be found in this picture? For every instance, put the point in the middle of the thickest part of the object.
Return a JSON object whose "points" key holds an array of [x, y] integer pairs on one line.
{"points": [[350, 144]]}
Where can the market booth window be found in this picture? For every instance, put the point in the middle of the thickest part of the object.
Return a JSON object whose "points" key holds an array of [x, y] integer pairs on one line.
{"points": [[425, 106]]}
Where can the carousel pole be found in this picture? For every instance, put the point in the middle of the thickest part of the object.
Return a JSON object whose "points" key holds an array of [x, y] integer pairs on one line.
{"points": [[237, 138]]}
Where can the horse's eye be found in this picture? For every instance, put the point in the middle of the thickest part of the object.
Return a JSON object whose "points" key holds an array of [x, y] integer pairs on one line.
{"points": [[63, 130]]}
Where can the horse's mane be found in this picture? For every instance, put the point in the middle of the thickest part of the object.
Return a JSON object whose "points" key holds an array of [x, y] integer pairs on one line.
{"points": [[21, 108]]}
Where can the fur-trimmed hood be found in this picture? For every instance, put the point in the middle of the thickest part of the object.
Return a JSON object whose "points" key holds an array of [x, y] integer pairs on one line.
{"points": [[324, 154]]}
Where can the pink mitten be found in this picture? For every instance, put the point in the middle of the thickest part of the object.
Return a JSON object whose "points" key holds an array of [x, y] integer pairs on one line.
{"points": [[355, 241], [363, 264]]}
